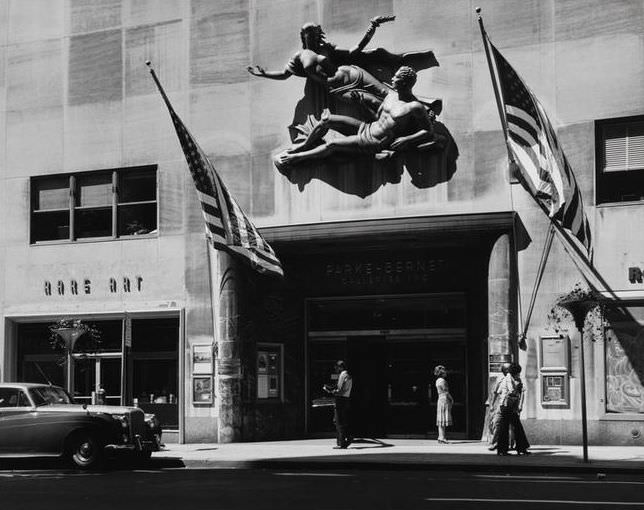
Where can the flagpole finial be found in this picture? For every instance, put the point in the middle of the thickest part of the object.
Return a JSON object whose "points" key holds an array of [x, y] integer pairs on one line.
{"points": [[478, 11], [148, 63]]}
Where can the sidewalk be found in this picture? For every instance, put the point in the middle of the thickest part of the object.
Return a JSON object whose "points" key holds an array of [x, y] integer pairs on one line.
{"points": [[405, 454]]}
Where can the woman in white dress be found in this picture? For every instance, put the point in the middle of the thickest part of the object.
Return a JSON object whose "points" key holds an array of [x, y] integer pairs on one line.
{"points": [[444, 403]]}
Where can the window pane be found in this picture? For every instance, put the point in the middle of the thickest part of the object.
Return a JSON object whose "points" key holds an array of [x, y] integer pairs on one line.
{"points": [[94, 190], [50, 226], [51, 193], [111, 334], [137, 186], [155, 389], [44, 369], [154, 335], [624, 355], [137, 219], [94, 222]]}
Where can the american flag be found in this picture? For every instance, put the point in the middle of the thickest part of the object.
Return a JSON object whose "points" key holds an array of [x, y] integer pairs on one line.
{"points": [[543, 167], [227, 227]]}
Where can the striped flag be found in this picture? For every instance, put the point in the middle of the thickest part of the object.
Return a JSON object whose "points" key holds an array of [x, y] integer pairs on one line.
{"points": [[543, 167], [227, 227]]}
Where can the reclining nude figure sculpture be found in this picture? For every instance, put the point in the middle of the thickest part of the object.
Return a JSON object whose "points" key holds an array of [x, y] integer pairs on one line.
{"points": [[402, 122]]}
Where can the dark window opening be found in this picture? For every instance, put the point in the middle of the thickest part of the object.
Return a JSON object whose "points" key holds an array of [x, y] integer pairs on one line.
{"points": [[104, 204], [620, 160]]}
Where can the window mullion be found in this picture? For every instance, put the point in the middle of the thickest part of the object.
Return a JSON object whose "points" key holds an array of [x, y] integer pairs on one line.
{"points": [[72, 204], [114, 202]]}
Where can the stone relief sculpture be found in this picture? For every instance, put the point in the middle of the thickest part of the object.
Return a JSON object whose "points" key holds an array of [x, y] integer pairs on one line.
{"points": [[402, 122], [350, 109], [342, 72]]}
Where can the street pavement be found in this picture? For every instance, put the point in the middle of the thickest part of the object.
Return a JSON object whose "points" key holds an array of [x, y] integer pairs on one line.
{"points": [[405, 454]]}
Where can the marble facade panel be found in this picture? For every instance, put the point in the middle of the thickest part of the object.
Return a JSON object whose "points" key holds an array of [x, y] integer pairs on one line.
{"points": [[34, 141], [34, 20], [92, 15], [93, 136], [34, 74], [95, 67]]}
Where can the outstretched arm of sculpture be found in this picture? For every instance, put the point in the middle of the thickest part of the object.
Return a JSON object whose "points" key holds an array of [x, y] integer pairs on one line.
{"points": [[373, 24], [272, 75]]}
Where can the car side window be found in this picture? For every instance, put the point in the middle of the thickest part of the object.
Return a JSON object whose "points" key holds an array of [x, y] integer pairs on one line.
{"points": [[23, 400], [9, 397]]}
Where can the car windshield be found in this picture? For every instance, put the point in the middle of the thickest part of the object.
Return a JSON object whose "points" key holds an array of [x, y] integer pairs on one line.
{"points": [[48, 395]]}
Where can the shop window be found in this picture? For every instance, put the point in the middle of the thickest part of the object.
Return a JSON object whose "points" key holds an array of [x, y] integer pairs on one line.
{"points": [[624, 358], [37, 361], [620, 160], [90, 205], [269, 371], [155, 377]]}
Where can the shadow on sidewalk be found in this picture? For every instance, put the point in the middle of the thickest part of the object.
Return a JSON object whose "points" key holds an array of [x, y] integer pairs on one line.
{"points": [[369, 442]]}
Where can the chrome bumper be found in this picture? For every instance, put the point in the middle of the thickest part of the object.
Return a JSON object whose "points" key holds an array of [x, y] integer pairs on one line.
{"points": [[138, 445]]}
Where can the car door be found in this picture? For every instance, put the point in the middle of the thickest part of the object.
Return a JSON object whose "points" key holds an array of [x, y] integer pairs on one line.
{"points": [[16, 415]]}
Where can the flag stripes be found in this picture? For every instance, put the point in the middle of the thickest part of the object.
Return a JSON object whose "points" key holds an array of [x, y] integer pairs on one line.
{"points": [[533, 145], [227, 227]]}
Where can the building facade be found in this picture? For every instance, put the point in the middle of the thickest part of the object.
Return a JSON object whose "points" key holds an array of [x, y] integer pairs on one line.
{"points": [[394, 264]]}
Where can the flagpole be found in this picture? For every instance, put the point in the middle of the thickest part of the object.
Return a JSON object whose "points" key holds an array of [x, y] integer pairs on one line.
{"points": [[569, 243], [537, 282], [495, 86]]}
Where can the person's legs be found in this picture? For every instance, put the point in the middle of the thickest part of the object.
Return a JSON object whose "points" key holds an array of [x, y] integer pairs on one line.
{"points": [[338, 428], [502, 431], [341, 123], [346, 144], [342, 422], [521, 440], [441, 433], [493, 431]]}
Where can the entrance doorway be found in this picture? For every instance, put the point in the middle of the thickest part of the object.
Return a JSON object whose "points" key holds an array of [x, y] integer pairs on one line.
{"points": [[97, 379], [394, 390]]}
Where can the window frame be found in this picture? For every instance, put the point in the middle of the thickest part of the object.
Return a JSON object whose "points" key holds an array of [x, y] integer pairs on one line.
{"points": [[73, 207], [603, 179]]}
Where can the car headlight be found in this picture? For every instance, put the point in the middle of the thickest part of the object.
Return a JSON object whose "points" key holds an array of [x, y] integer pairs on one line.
{"points": [[151, 420], [122, 419]]}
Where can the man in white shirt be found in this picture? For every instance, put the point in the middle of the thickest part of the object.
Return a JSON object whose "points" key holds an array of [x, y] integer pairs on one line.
{"points": [[342, 394]]}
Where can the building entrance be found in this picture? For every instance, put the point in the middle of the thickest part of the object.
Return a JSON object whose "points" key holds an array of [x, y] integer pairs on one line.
{"points": [[393, 383], [97, 379]]}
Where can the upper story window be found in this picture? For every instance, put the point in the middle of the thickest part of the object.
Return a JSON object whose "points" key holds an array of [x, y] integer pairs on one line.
{"points": [[620, 160], [104, 204]]}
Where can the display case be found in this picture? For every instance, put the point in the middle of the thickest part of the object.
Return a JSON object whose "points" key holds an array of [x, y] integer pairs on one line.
{"points": [[554, 362]]}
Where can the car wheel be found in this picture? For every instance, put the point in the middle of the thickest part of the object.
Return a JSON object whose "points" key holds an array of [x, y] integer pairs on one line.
{"points": [[85, 451]]}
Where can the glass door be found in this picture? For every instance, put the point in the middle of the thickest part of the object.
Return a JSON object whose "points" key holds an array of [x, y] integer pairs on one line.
{"points": [[411, 390], [97, 379]]}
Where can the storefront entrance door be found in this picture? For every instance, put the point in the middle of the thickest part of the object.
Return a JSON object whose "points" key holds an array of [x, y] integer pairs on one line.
{"points": [[367, 363], [97, 377]]}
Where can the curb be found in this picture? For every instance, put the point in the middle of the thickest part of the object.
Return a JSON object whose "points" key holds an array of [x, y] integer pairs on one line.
{"points": [[322, 465]]}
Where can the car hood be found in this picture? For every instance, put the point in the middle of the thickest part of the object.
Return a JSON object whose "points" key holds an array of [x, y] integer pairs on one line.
{"points": [[78, 408]]}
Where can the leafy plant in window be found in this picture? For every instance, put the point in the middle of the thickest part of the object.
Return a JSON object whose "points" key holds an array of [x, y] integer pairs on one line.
{"points": [[64, 333]]}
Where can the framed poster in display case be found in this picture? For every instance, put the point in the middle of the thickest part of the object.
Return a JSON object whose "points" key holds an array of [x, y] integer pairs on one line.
{"points": [[201, 359], [554, 355], [555, 390], [202, 390], [554, 351]]}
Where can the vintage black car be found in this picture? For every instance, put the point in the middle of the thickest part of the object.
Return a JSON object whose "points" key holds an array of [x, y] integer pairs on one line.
{"points": [[41, 420]]}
